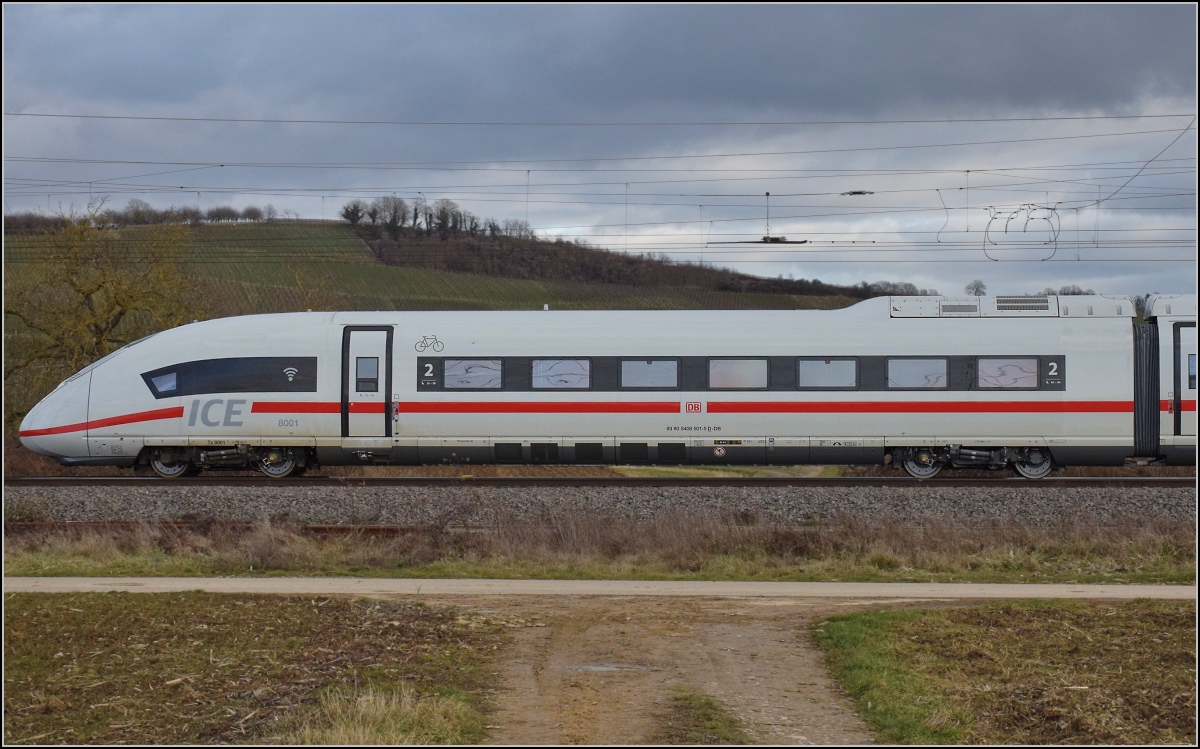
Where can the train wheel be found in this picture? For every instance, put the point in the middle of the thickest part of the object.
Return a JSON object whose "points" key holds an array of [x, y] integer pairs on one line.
{"points": [[169, 466], [1033, 465], [278, 463], [922, 465]]}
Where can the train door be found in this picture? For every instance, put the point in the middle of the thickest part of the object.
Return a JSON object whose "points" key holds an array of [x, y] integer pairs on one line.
{"points": [[366, 380], [1185, 379]]}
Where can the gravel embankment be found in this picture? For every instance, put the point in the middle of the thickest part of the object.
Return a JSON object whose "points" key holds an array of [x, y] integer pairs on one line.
{"points": [[480, 506]]}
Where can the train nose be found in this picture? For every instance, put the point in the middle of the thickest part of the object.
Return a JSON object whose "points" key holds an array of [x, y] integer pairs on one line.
{"points": [[57, 425]]}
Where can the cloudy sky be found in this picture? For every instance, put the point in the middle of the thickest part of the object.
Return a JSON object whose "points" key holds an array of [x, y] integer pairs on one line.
{"points": [[1028, 146]]}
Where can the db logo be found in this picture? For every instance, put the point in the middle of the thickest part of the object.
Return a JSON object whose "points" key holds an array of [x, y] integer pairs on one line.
{"points": [[719, 452], [692, 408]]}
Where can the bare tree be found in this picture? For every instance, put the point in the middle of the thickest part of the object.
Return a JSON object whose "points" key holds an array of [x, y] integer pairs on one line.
{"points": [[220, 213], [252, 213], [447, 215], [419, 209], [1075, 290], [31, 222], [1068, 290], [139, 213], [354, 211], [269, 212], [898, 288], [976, 288], [189, 214], [89, 292], [518, 228], [393, 212], [470, 223]]}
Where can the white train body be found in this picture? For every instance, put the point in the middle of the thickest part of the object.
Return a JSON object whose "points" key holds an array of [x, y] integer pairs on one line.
{"points": [[928, 381]]}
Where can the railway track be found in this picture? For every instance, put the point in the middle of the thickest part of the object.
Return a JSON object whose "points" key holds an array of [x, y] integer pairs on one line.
{"points": [[179, 526], [1139, 482]]}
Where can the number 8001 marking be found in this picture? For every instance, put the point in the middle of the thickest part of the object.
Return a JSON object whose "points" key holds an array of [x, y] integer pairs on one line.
{"points": [[289, 422]]}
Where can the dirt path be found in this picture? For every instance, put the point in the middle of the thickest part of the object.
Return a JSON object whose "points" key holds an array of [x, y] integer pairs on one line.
{"points": [[604, 670]]}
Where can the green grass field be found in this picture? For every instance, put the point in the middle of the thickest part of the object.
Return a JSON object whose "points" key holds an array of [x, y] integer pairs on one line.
{"points": [[284, 267]]}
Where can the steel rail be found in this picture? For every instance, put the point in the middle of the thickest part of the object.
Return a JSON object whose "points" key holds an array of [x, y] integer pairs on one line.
{"points": [[201, 526], [605, 481]]}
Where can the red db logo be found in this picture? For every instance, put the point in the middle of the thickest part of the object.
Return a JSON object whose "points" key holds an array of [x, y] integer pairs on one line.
{"points": [[692, 408]]}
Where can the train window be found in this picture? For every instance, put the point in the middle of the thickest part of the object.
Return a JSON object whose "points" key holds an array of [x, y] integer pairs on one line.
{"points": [[917, 373], [827, 373], [472, 374], [366, 374], [737, 374], [250, 374], [1191, 371], [562, 374], [649, 373], [1008, 373], [165, 384]]}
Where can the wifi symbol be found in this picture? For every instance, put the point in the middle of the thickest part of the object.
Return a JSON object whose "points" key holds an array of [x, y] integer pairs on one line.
{"points": [[291, 373]]}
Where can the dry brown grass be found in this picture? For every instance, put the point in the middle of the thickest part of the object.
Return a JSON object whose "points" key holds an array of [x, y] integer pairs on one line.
{"points": [[1077, 673], [669, 546], [197, 668], [345, 717]]}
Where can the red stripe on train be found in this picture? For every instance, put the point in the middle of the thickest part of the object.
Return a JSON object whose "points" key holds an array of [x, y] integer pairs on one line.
{"points": [[919, 407], [534, 407], [313, 407], [671, 407], [1183, 405], [294, 407], [175, 412]]}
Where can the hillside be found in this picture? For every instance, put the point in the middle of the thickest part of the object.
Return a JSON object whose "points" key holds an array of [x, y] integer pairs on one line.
{"points": [[528, 257], [248, 268]]}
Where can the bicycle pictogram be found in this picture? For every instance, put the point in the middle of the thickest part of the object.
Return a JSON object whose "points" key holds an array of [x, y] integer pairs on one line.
{"points": [[428, 342]]}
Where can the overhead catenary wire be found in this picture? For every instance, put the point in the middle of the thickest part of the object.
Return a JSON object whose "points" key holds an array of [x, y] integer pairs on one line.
{"points": [[1152, 158], [597, 123], [929, 145]]}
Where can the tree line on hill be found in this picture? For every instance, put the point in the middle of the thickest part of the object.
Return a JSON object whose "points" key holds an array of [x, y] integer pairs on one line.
{"points": [[140, 213], [444, 217]]}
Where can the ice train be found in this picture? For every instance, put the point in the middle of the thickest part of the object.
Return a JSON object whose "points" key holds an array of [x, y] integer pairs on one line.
{"points": [[922, 383]]}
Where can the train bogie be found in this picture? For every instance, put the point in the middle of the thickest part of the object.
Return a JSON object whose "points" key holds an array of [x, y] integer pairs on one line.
{"points": [[921, 383]]}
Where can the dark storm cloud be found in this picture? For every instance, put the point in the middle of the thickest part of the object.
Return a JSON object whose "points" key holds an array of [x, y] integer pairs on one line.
{"points": [[610, 62], [864, 61]]}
